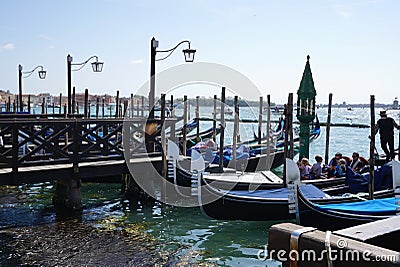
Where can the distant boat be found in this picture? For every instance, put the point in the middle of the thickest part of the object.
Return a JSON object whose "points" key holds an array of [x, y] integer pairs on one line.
{"points": [[349, 108], [226, 111]]}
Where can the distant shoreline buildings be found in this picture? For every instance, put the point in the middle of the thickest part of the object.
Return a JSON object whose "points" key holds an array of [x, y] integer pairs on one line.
{"points": [[37, 100]]}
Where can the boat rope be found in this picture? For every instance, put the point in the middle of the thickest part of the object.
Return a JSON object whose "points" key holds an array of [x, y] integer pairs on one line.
{"points": [[355, 196]]}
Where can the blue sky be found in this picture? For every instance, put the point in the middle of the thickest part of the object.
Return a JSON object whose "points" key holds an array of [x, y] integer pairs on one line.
{"points": [[354, 45]]}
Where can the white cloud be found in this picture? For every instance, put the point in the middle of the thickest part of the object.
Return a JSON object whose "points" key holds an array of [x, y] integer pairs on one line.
{"points": [[45, 37], [48, 39], [137, 61], [7, 47]]}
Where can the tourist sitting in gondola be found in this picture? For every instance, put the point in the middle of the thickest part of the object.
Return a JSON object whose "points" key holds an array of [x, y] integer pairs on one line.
{"points": [[333, 163], [304, 167], [340, 169], [356, 164], [316, 168]]}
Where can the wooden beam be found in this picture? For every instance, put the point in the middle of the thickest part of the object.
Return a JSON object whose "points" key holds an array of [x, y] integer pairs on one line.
{"points": [[312, 249]]}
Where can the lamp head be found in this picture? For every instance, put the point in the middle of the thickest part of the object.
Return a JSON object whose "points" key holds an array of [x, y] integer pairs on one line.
{"points": [[189, 54], [97, 66], [42, 74]]}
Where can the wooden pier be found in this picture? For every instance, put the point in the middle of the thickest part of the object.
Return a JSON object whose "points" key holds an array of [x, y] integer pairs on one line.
{"points": [[44, 148], [371, 244]]}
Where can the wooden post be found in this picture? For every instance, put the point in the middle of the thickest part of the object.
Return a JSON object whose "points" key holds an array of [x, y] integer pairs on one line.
{"points": [[43, 105], [85, 108], [29, 105], [172, 115], [97, 107], [290, 124], [185, 119], [215, 119], [164, 148], [142, 114], [102, 107], [235, 129], [125, 108], [65, 110], [197, 120], [222, 134], [60, 108], [268, 130], [132, 107], [53, 106], [260, 110], [287, 129], [17, 102], [15, 151], [171, 106], [328, 129], [77, 107], [73, 100], [117, 105], [371, 149]]}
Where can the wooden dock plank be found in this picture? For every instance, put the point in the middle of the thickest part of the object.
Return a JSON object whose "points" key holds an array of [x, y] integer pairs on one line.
{"points": [[279, 237]]}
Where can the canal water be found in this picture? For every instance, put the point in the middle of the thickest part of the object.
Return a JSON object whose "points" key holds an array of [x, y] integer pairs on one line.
{"points": [[113, 231]]}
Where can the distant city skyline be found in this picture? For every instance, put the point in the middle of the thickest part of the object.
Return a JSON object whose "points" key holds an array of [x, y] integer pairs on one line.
{"points": [[353, 44]]}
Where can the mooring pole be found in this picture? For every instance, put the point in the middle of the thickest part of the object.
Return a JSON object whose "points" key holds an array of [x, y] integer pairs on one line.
{"points": [[164, 148], [222, 134], [185, 119], [102, 106], [328, 129], [260, 110], [235, 129], [268, 132], [85, 108], [60, 108], [73, 100], [29, 105], [197, 119], [215, 119], [371, 149], [290, 124], [117, 105]]}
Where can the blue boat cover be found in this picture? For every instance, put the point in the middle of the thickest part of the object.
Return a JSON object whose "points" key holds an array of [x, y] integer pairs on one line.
{"points": [[310, 191], [382, 206], [383, 179]]}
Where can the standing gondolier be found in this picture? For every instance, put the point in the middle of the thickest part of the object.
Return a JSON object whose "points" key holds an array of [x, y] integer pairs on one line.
{"points": [[385, 125]]}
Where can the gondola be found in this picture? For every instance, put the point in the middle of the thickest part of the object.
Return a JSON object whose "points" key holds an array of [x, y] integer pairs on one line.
{"points": [[257, 205], [267, 204], [342, 212]]}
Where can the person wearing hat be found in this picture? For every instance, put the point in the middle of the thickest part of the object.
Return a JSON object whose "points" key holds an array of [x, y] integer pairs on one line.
{"points": [[385, 125]]}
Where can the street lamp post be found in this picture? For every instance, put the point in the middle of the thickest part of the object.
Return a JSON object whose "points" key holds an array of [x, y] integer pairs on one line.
{"points": [[42, 75], [189, 57], [96, 66]]}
